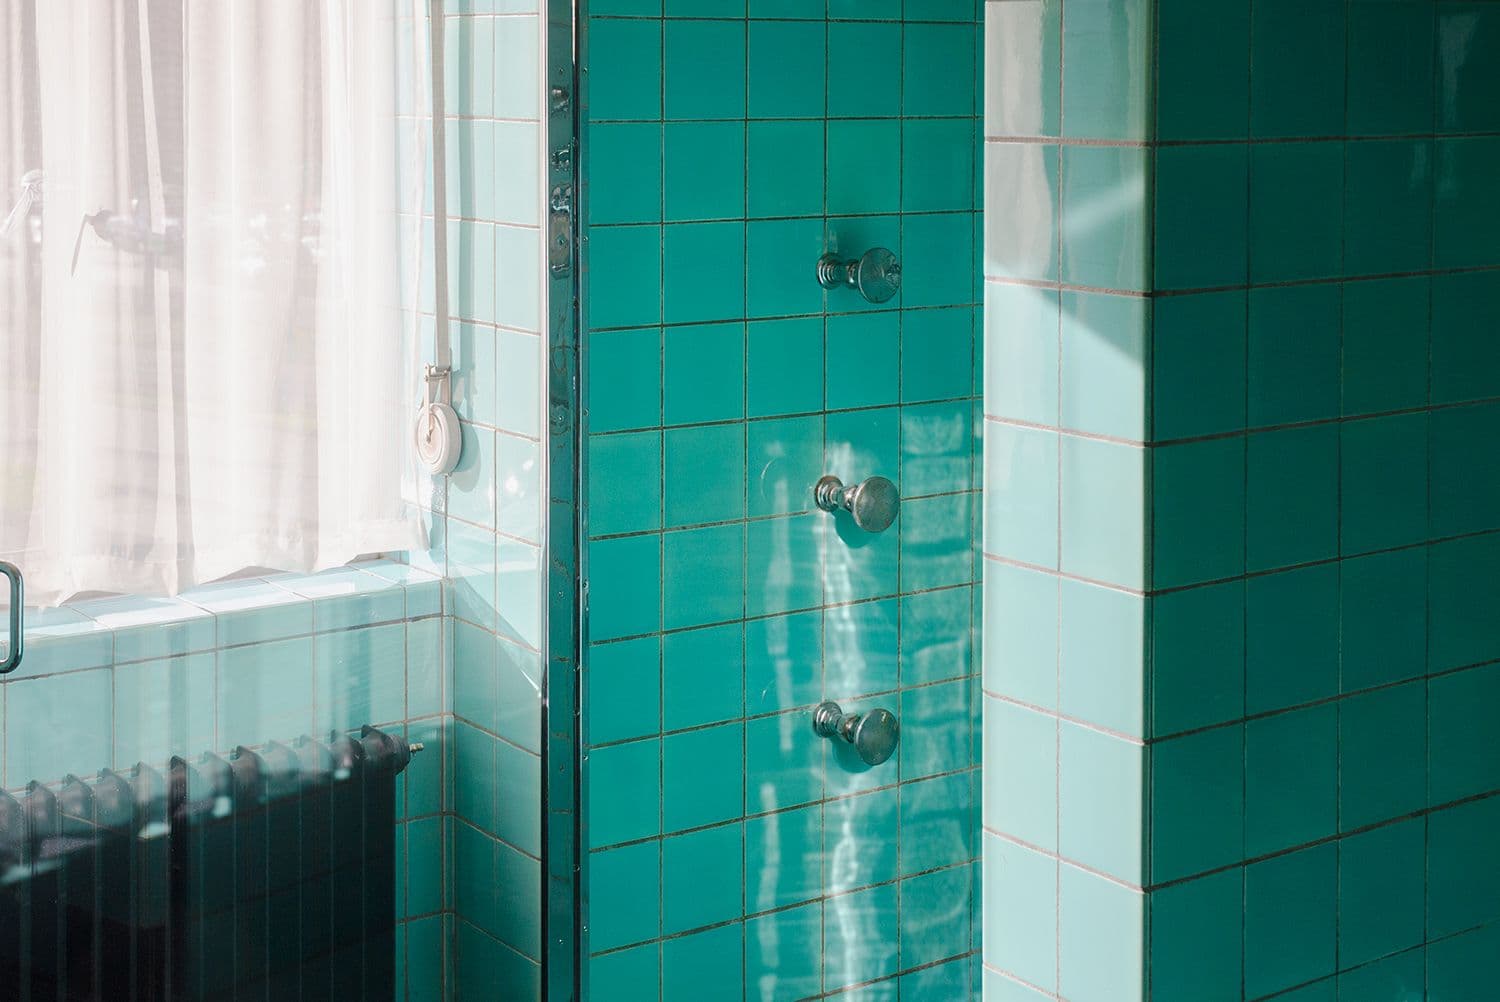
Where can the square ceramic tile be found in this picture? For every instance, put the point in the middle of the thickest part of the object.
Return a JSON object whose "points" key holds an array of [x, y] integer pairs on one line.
{"points": [[1105, 47], [1383, 752], [1291, 638], [1291, 779]]}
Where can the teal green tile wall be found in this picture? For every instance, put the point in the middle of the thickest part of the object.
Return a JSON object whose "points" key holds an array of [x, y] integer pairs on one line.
{"points": [[1279, 385], [110, 682], [728, 146], [490, 508]]}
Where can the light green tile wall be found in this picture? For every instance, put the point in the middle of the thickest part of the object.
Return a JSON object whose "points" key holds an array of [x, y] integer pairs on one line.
{"points": [[728, 147], [1236, 535], [490, 507]]}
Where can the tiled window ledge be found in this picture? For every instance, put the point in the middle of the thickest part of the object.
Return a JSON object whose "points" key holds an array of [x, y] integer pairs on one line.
{"points": [[112, 681]]}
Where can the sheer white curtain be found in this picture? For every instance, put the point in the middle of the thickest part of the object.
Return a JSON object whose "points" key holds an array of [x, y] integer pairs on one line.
{"points": [[203, 356]]}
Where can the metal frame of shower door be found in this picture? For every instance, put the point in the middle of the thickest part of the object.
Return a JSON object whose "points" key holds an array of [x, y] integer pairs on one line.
{"points": [[564, 936]]}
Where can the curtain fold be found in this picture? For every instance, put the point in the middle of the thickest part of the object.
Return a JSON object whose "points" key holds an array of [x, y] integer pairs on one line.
{"points": [[207, 363]]}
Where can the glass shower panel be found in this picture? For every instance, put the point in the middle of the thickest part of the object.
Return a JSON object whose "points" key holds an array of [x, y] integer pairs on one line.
{"points": [[783, 285]]}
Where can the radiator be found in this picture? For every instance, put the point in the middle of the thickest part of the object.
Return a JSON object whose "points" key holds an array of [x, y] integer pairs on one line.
{"points": [[265, 875]]}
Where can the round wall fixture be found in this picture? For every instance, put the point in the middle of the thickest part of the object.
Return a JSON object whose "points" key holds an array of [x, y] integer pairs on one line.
{"points": [[439, 440]]}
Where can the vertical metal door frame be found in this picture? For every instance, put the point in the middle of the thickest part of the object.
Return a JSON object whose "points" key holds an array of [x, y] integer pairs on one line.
{"points": [[564, 935]]}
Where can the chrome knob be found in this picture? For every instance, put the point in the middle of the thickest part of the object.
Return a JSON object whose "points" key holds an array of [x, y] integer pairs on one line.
{"points": [[874, 734], [875, 274], [873, 502]]}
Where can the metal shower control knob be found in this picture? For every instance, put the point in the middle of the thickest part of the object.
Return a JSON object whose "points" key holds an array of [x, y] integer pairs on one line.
{"points": [[873, 502], [873, 734], [875, 274]]}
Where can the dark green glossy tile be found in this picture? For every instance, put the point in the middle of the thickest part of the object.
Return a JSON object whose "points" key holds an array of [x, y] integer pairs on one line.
{"points": [[783, 952], [1292, 496], [1198, 362], [702, 878], [1465, 494], [1388, 207], [624, 795], [936, 354], [853, 47], [1463, 966], [1461, 630], [625, 586], [704, 70], [936, 251], [703, 576], [1384, 483], [1385, 345], [786, 165], [1197, 803], [625, 265], [1290, 918], [1463, 870], [712, 957], [1203, 68], [1297, 50], [781, 253], [1291, 779], [1465, 353], [1466, 213], [703, 676], [784, 561], [788, 63], [1397, 977], [1468, 67], [1390, 68], [783, 662], [1196, 930], [1383, 618], [1294, 354], [786, 367], [703, 272], [633, 973], [703, 777], [705, 474], [860, 937], [1198, 512], [1383, 753], [937, 164], [1464, 761], [624, 895], [633, 458], [867, 349], [864, 165], [625, 180], [705, 373], [785, 461], [1296, 210], [1201, 230], [704, 166], [937, 69], [1193, 630], [624, 684], [937, 827], [631, 397], [783, 762], [929, 929], [625, 69], [783, 859], [1380, 891], [1291, 638]]}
